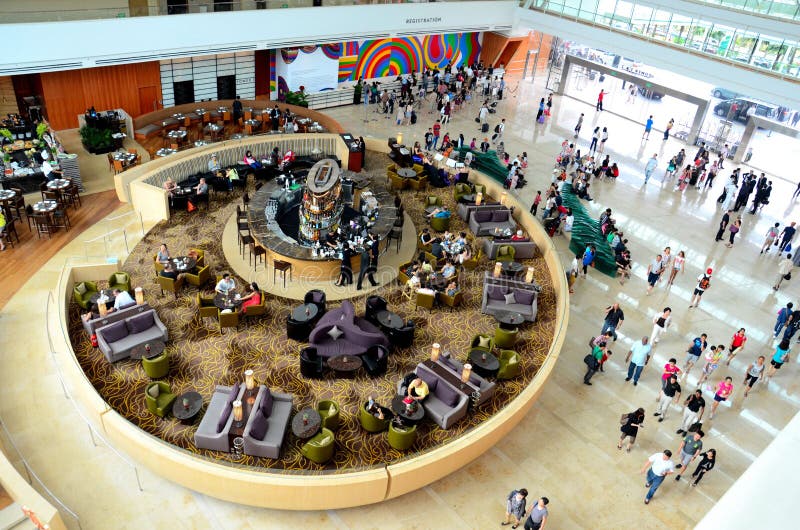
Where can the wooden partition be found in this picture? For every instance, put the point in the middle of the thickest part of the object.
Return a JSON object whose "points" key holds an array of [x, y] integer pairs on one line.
{"points": [[321, 491]]}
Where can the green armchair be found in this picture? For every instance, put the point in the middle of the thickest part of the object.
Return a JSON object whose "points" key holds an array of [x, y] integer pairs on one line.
{"points": [[460, 190], [120, 280], [433, 200], [329, 411], [370, 422], [228, 320], [82, 292], [201, 256], [168, 284], [157, 367], [425, 300], [440, 224], [505, 253], [402, 438], [159, 402], [199, 279], [452, 301], [505, 338], [319, 449], [480, 188], [509, 364], [419, 183], [482, 341], [398, 182], [206, 307]]}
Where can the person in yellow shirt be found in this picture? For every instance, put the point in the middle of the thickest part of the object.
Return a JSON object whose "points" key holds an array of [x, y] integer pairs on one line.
{"points": [[418, 389]]}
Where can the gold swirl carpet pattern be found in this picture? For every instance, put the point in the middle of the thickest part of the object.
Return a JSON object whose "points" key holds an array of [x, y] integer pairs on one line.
{"points": [[201, 358]]}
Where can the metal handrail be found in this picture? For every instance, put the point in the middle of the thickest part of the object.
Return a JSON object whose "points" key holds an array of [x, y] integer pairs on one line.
{"points": [[33, 476]]}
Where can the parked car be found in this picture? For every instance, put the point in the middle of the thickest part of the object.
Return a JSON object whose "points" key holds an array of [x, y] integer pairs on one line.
{"points": [[737, 109], [724, 93], [649, 93]]}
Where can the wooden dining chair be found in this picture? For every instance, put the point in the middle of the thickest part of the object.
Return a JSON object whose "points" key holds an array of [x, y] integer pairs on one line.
{"points": [[110, 161], [43, 189], [118, 167], [42, 224], [60, 219], [257, 250], [73, 193]]}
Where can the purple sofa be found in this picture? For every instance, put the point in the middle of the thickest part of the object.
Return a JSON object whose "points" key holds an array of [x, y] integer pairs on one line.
{"points": [[357, 334]]}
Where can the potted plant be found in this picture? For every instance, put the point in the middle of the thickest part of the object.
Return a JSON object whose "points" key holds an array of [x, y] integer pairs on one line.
{"points": [[5, 133], [41, 129], [297, 98], [96, 141]]}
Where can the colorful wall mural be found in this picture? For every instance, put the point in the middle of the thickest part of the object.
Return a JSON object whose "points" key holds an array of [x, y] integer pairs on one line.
{"points": [[380, 58]]}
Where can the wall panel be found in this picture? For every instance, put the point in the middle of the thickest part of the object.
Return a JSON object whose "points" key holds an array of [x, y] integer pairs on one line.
{"points": [[71, 92]]}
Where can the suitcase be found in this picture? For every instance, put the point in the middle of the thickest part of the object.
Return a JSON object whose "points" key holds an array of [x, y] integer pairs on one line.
{"points": [[492, 111], [477, 120], [485, 128]]}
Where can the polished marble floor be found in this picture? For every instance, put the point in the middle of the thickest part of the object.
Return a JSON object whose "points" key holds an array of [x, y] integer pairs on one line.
{"points": [[565, 448]]}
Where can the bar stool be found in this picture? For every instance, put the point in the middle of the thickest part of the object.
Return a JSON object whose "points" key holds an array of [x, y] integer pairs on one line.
{"points": [[282, 266]]}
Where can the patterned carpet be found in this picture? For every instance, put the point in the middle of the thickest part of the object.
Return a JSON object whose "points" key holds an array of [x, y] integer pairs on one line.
{"points": [[202, 358]]}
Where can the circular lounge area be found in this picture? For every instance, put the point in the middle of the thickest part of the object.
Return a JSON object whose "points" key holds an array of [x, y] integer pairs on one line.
{"points": [[362, 460]]}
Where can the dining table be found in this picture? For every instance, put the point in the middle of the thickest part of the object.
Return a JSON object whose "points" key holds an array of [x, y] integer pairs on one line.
{"points": [[164, 151], [58, 184], [230, 300], [7, 195], [45, 206]]}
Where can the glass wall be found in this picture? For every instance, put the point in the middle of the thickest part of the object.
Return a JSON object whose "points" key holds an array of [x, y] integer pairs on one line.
{"points": [[776, 8], [733, 44]]}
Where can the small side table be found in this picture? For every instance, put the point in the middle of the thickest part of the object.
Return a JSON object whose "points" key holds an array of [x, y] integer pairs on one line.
{"points": [[283, 267], [187, 413]]}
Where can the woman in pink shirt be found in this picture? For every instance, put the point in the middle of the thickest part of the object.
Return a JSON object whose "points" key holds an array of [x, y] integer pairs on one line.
{"points": [[670, 368], [723, 390]]}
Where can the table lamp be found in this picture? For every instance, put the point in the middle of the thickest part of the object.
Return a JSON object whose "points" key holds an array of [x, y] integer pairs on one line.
{"points": [[238, 414], [478, 198], [139, 295], [249, 380], [101, 306], [503, 197], [498, 267], [529, 275], [400, 138], [465, 373], [435, 349]]}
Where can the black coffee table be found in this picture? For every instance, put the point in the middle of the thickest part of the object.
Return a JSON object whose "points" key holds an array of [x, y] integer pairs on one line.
{"points": [[305, 312], [307, 428], [187, 413], [389, 320], [509, 320], [227, 300], [512, 268], [484, 363], [109, 295], [399, 408], [140, 351], [345, 365]]}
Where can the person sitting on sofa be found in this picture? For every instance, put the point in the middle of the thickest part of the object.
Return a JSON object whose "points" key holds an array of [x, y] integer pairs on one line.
{"points": [[163, 254], [448, 270], [442, 213], [225, 284], [169, 271], [418, 389], [122, 300], [170, 186], [426, 236], [250, 160], [377, 410], [465, 255], [519, 236], [252, 296], [451, 289], [93, 313]]}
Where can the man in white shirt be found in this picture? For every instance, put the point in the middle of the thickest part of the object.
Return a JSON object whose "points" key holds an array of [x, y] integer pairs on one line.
{"points": [[225, 284], [49, 172], [785, 266], [122, 299], [660, 465], [639, 356]]}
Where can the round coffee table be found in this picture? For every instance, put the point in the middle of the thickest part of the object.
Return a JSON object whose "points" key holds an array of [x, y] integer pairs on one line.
{"points": [[484, 363], [307, 427], [227, 300], [140, 350], [187, 411], [407, 173], [509, 320], [408, 418], [109, 294], [512, 269], [305, 312], [389, 320], [345, 365]]}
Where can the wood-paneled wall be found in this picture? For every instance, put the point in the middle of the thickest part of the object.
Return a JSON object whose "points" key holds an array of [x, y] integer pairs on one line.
{"points": [[69, 93]]}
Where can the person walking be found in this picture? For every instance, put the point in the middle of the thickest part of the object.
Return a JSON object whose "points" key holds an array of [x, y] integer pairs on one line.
{"points": [[614, 318], [668, 128], [515, 507], [770, 237], [658, 466], [737, 344], [654, 271], [660, 324], [703, 283], [780, 356], [722, 392], [734, 229], [713, 358], [537, 515], [754, 373], [786, 236], [650, 167], [785, 266], [498, 131], [639, 356], [783, 318], [578, 126], [600, 97], [693, 353], [588, 258], [540, 113], [707, 461], [677, 266], [633, 421], [693, 409], [723, 224], [670, 393], [595, 139], [690, 448], [369, 263], [572, 273], [592, 362], [648, 126]]}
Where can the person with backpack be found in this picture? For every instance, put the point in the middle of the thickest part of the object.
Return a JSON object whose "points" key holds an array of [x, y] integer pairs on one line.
{"points": [[703, 283], [631, 423], [769, 238], [785, 266], [498, 131], [783, 319]]}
